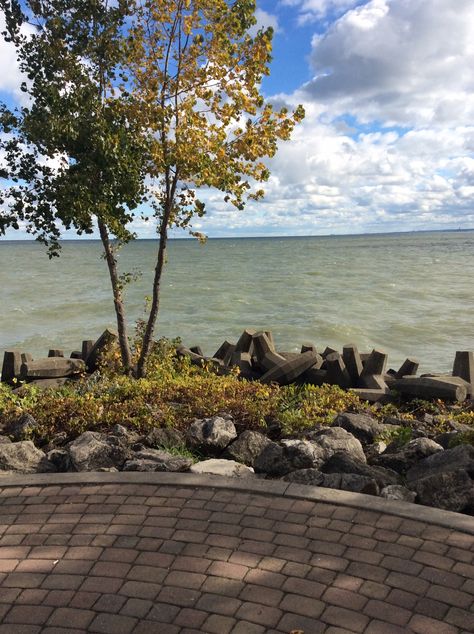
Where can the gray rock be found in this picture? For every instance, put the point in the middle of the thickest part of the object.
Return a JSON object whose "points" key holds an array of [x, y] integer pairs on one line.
{"points": [[24, 457], [397, 492], [335, 439], [272, 460], [363, 427], [61, 459], [451, 490], [343, 463], [341, 481], [211, 435], [92, 451], [4, 440], [311, 477], [247, 447], [163, 437], [460, 457], [155, 460], [22, 427], [411, 453], [303, 454], [229, 468]]}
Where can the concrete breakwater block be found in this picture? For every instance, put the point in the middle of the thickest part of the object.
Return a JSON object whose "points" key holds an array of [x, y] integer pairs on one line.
{"points": [[336, 371], [432, 387], [464, 368], [263, 344], [408, 368], [375, 363], [51, 368], [353, 362], [289, 370], [11, 366], [245, 342], [106, 339]]}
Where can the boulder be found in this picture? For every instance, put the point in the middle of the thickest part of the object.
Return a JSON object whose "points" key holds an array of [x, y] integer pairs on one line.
{"points": [[343, 463], [408, 455], [61, 459], [341, 481], [24, 457], [4, 440], [363, 427], [460, 457], [449, 490], [272, 460], [163, 437], [229, 468], [156, 460], [397, 492], [92, 451], [22, 427], [247, 447], [303, 454], [335, 439], [211, 435]]}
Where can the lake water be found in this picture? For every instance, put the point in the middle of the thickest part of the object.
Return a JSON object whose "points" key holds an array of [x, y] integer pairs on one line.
{"points": [[409, 294]]}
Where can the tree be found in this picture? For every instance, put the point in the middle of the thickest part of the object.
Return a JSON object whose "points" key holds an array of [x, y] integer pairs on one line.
{"points": [[73, 152], [157, 100]]}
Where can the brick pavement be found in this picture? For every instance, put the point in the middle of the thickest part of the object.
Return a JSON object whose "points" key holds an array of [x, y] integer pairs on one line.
{"points": [[121, 557]]}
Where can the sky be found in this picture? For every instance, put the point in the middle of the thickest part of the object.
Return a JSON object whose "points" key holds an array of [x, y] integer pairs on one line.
{"points": [[388, 139]]}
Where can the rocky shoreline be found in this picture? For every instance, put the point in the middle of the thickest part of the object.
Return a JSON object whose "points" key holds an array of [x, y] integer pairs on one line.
{"points": [[349, 455]]}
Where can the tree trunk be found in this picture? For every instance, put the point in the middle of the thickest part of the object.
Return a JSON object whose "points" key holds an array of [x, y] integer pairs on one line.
{"points": [[118, 299], [155, 303]]}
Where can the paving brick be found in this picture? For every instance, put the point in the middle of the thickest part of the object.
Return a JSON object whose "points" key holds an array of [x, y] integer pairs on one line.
{"points": [[306, 606], [461, 618], [109, 603], [118, 624], [191, 618], [290, 622], [424, 624], [345, 618], [392, 614], [218, 624], [28, 615], [344, 598], [71, 617], [217, 604]]}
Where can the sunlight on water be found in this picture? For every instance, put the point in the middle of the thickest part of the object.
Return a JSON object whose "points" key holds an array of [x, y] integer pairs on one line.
{"points": [[410, 294]]}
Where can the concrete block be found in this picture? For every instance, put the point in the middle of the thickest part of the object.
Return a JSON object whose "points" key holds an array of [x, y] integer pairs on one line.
{"points": [[55, 352], [11, 366], [87, 346], [243, 360], [263, 344], [308, 347], [197, 350], [51, 368], [336, 371], [223, 350], [352, 361], [76, 354], [376, 363], [464, 367], [327, 351], [408, 368], [364, 356], [373, 382], [313, 376], [373, 396], [287, 371], [271, 359], [106, 339], [431, 387], [26, 357], [245, 342]]}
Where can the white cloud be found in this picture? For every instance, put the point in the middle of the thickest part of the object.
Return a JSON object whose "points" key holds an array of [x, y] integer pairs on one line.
{"points": [[312, 10], [265, 20]]}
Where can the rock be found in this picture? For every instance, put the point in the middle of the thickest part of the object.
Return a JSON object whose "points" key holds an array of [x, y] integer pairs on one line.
{"points": [[397, 492], [92, 451], [229, 468], [451, 490], [335, 439], [163, 437], [303, 454], [51, 368], [247, 447], [4, 440], [311, 477], [22, 427], [156, 460], [343, 463], [24, 457], [363, 427], [460, 457], [61, 459], [211, 435], [411, 453], [341, 481], [105, 341], [272, 460]]}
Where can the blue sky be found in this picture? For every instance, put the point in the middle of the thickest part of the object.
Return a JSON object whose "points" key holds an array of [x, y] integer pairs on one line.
{"points": [[388, 140]]}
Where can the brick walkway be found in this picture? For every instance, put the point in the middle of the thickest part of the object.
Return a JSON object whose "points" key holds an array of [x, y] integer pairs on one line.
{"points": [[121, 556]]}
